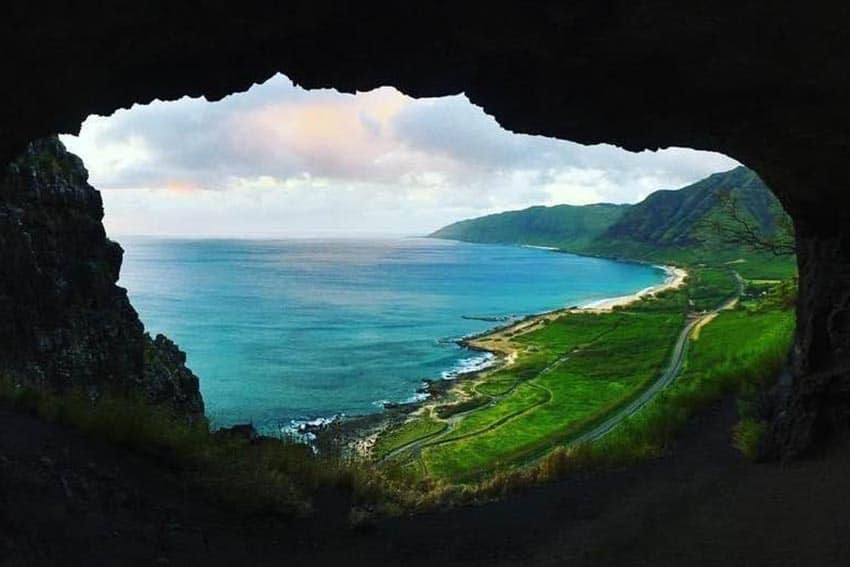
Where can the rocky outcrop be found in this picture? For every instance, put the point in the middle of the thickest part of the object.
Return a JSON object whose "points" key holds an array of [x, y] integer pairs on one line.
{"points": [[816, 405], [166, 380], [64, 323]]}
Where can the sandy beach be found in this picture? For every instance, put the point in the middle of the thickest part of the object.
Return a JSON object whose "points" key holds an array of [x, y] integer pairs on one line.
{"points": [[497, 342], [674, 280]]}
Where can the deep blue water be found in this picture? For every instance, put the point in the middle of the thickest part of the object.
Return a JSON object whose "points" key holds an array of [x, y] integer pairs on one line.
{"points": [[299, 329]]}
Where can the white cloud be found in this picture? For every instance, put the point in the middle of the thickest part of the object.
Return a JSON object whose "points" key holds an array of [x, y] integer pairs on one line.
{"points": [[279, 160]]}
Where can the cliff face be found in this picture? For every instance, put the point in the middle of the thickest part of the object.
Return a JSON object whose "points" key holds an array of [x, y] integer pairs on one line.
{"points": [[64, 323]]}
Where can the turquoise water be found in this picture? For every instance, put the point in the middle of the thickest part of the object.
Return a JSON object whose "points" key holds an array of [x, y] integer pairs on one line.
{"points": [[290, 330]]}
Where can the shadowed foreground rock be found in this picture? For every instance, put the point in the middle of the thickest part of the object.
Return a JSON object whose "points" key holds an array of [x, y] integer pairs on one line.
{"points": [[68, 500], [64, 323]]}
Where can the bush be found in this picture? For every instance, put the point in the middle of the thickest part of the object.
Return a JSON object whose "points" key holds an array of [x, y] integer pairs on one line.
{"points": [[746, 437]]}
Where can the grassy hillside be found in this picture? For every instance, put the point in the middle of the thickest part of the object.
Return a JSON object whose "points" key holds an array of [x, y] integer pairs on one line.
{"points": [[573, 370], [563, 226], [667, 226], [677, 218], [571, 388]]}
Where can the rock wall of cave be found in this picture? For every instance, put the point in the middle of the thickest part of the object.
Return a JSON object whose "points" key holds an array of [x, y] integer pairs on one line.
{"points": [[64, 323]]}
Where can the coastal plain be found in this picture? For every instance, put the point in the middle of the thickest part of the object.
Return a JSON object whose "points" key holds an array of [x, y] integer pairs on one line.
{"points": [[562, 373]]}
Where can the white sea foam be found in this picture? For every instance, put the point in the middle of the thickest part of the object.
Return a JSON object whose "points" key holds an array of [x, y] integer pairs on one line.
{"points": [[540, 247], [471, 364], [315, 422], [669, 271], [417, 397], [299, 429]]}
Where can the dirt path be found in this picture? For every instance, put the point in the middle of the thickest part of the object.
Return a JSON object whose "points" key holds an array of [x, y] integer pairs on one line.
{"points": [[498, 423]]}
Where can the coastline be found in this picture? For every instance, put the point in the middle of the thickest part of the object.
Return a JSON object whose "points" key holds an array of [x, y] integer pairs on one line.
{"points": [[675, 279], [495, 340], [492, 340], [356, 435]]}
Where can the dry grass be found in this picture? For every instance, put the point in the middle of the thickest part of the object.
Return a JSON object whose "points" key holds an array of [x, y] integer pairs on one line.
{"points": [[746, 436]]}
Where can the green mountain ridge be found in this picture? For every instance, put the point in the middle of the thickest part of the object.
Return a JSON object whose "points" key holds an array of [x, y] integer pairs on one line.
{"points": [[562, 226], [667, 226]]}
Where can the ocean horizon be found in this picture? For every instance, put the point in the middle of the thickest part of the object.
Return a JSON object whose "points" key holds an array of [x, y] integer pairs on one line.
{"points": [[287, 331]]}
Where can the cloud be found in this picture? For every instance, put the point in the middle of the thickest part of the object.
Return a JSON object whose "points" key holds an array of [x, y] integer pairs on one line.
{"points": [[328, 160]]}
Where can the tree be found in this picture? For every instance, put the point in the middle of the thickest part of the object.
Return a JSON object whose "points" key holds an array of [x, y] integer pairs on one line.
{"points": [[735, 226]]}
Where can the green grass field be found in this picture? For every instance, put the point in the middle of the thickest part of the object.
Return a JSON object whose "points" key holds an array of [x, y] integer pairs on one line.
{"points": [[711, 287], [405, 433], [574, 371], [577, 387], [740, 352]]}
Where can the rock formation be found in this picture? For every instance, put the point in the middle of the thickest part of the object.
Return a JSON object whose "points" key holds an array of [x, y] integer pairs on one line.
{"points": [[64, 323]]}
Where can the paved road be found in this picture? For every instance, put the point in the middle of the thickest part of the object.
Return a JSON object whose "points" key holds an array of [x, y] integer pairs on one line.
{"points": [[665, 379]]}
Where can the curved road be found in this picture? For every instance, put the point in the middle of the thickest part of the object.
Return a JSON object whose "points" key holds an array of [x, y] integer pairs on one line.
{"points": [[667, 377], [598, 431]]}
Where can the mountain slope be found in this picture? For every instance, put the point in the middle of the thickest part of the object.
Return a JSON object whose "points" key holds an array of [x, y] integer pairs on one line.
{"points": [[674, 218], [563, 226], [669, 225]]}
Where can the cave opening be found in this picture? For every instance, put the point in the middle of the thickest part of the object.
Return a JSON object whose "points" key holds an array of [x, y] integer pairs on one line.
{"points": [[280, 175], [570, 72], [764, 84]]}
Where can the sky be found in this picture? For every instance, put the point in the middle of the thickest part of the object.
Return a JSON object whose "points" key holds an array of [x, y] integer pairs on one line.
{"points": [[281, 161]]}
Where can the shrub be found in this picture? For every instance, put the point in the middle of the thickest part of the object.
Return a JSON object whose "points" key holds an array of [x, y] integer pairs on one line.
{"points": [[746, 436]]}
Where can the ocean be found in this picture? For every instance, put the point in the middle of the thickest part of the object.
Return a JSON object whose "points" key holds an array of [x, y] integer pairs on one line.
{"points": [[286, 331]]}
